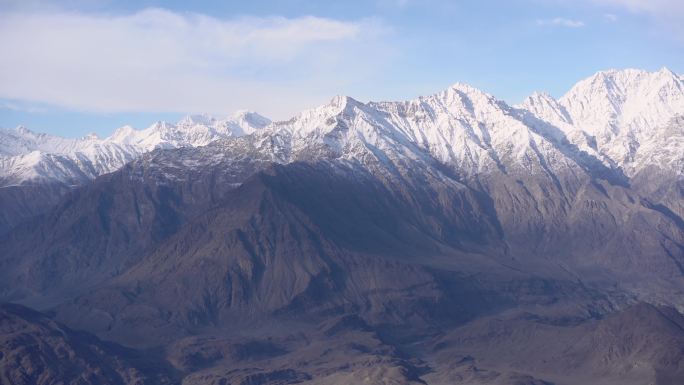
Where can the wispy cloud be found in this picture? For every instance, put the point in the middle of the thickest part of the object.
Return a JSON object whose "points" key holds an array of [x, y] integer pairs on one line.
{"points": [[159, 60], [609, 17], [561, 22], [19, 106]]}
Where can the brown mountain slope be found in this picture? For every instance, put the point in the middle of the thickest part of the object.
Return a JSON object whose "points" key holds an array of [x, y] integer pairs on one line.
{"points": [[35, 350]]}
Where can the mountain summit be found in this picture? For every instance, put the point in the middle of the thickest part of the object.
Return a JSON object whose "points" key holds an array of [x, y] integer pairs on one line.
{"points": [[613, 115]]}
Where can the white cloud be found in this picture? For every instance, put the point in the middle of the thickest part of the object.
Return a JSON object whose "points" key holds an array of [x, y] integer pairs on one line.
{"points": [[610, 18], [561, 22], [158, 60]]}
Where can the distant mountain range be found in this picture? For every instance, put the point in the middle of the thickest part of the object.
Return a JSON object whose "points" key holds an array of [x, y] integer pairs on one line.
{"points": [[628, 119], [446, 239], [27, 157]]}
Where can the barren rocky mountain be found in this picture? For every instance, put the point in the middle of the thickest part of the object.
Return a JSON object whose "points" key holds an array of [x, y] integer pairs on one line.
{"points": [[35, 349], [447, 239]]}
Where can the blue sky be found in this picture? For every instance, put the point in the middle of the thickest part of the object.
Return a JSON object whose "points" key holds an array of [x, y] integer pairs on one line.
{"points": [[74, 67]]}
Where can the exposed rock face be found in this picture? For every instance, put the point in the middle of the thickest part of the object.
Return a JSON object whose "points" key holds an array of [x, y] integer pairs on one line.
{"points": [[21, 203], [37, 350]]}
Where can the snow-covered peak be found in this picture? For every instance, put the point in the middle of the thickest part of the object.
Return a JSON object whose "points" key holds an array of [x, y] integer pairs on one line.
{"points": [[614, 102], [468, 89], [23, 130], [122, 135], [21, 140], [620, 109], [341, 102], [201, 119], [461, 126], [544, 106], [462, 96], [668, 72], [91, 137], [245, 122], [28, 156], [191, 131], [318, 120], [159, 135], [25, 155]]}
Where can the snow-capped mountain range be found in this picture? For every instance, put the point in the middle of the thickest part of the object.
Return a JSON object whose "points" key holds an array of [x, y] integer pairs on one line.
{"points": [[627, 120], [26, 156]]}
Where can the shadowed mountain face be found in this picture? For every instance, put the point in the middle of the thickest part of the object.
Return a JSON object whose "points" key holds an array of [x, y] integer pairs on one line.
{"points": [[37, 350], [642, 344], [451, 239], [21, 203], [295, 247], [318, 215]]}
